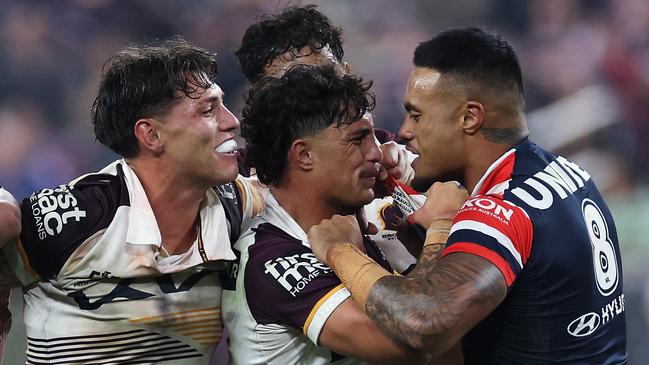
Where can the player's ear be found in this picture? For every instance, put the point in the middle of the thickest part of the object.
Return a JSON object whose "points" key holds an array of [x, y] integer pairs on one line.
{"points": [[473, 116], [300, 154], [147, 133]]}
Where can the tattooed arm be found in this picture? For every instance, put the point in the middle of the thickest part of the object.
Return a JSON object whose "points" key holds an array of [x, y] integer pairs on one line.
{"points": [[434, 307], [438, 302]]}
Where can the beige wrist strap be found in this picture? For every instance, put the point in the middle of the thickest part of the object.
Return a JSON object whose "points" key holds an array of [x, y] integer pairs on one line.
{"points": [[438, 231], [355, 269]]}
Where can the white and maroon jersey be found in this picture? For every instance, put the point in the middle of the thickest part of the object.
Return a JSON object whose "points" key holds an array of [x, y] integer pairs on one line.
{"points": [[540, 219], [98, 288], [281, 296], [386, 216]]}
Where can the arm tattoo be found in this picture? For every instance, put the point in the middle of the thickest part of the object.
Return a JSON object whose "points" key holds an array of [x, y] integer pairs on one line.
{"points": [[426, 312], [427, 260]]}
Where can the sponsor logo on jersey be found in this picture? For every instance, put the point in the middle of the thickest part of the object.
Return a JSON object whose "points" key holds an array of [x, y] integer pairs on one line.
{"points": [[489, 207], [130, 289], [562, 176], [612, 309], [584, 325], [295, 272], [52, 209], [588, 323]]}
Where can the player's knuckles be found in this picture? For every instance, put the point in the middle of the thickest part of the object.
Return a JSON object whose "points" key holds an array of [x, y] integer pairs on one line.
{"points": [[396, 172]]}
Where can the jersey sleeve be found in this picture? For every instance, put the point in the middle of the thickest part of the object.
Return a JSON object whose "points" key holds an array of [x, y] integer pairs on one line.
{"points": [[495, 230], [55, 222], [286, 284]]}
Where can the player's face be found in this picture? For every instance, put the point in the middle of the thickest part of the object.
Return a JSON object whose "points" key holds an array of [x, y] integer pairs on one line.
{"points": [[346, 163], [305, 56], [198, 138], [433, 126]]}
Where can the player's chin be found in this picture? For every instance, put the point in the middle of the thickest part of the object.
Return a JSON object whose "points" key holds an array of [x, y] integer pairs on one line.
{"points": [[365, 196], [421, 170], [226, 173]]}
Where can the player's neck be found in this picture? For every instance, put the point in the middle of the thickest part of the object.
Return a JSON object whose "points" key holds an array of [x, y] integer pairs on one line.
{"points": [[174, 202], [303, 204], [480, 159]]}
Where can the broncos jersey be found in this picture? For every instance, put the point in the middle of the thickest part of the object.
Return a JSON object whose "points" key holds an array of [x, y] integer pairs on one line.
{"points": [[281, 296], [99, 288], [540, 219]]}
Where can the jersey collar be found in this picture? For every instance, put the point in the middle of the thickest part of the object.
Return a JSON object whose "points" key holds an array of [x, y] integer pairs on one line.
{"points": [[496, 179]]}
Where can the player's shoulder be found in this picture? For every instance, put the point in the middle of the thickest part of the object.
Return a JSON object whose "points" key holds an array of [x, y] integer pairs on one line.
{"points": [[57, 220], [542, 181], [271, 241], [90, 199], [492, 208]]}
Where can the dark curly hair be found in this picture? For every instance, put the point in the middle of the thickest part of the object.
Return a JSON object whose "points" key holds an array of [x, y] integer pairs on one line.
{"points": [[290, 30], [303, 102], [144, 81]]}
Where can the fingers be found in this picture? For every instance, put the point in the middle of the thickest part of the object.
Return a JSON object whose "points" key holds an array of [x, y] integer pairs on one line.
{"points": [[390, 152], [371, 229], [392, 160]]}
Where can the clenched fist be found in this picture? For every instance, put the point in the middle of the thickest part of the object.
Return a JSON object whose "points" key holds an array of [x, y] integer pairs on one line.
{"points": [[443, 201], [338, 229]]}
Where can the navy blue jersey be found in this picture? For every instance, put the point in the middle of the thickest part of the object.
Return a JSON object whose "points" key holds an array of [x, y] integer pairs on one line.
{"points": [[541, 220]]}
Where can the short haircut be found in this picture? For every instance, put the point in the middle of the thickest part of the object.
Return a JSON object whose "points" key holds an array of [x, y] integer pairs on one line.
{"points": [[290, 30], [303, 102], [474, 56], [143, 81]]}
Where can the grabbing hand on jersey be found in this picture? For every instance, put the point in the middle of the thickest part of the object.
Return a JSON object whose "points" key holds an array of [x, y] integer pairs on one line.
{"points": [[338, 229], [443, 202], [396, 163]]}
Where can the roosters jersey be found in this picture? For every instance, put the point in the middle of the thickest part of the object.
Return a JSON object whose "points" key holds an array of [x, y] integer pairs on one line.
{"points": [[540, 219], [99, 289], [281, 295]]}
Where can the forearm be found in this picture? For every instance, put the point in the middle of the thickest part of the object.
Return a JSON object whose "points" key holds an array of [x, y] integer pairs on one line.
{"points": [[432, 308], [402, 308], [358, 272], [433, 313], [349, 331]]}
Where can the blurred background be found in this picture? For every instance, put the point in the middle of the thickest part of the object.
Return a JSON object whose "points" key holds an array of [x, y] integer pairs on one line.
{"points": [[585, 63]]}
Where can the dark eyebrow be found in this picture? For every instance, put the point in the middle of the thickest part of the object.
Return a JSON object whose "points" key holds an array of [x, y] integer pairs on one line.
{"points": [[361, 132], [410, 108], [212, 99]]}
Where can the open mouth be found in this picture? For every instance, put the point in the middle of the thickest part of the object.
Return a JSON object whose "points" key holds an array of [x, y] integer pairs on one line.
{"points": [[229, 146]]}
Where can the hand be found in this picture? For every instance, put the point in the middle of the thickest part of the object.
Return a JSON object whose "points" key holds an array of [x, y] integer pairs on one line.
{"points": [[443, 201], [366, 226], [338, 229], [395, 162]]}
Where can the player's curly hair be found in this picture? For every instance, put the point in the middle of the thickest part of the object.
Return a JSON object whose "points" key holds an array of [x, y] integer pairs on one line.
{"points": [[144, 81], [289, 30], [303, 102]]}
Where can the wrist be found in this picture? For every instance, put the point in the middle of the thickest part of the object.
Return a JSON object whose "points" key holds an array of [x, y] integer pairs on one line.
{"points": [[334, 251], [438, 231], [356, 270]]}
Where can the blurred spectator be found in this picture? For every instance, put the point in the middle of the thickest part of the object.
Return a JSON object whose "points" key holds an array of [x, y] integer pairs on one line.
{"points": [[50, 54]]}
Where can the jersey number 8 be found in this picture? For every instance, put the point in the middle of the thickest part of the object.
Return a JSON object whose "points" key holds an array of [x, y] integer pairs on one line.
{"points": [[604, 258]]}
